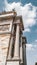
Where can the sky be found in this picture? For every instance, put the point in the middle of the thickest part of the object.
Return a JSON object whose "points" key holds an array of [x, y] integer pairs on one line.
{"points": [[28, 10]]}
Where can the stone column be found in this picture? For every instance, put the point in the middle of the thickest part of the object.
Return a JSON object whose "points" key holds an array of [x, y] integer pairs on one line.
{"points": [[16, 51], [21, 53], [11, 43]]}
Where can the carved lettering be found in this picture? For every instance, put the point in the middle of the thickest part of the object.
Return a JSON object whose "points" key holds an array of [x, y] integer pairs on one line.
{"points": [[4, 27]]}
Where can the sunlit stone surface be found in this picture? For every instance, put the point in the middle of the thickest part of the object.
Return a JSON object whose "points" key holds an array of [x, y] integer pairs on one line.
{"points": [[4, 42], [13, 63], [11, 43]]}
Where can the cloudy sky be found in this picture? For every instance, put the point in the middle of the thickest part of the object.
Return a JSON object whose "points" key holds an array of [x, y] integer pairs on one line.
{"points": [[28, 10]]}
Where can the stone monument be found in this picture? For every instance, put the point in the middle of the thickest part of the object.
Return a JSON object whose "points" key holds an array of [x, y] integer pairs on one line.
{"points": [[11, 40]]}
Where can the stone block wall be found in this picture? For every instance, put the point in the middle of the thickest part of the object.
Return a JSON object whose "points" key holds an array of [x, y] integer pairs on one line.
{"points": [[4, 43]]}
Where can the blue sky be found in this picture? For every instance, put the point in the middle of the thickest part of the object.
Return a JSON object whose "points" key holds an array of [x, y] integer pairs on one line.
{"points": [[34, 2], [28, 10]]}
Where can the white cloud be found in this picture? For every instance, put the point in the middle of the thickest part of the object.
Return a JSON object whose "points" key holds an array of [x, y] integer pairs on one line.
{"points": [[31, 47], [36, 40], [27, 30], [28, 12], [31, 54]]}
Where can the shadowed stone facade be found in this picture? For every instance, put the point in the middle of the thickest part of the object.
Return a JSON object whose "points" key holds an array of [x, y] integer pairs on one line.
{"points": [[12, 43]]}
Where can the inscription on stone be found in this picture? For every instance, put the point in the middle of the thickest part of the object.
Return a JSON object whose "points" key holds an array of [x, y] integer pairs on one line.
{"points": [[4, 27]]}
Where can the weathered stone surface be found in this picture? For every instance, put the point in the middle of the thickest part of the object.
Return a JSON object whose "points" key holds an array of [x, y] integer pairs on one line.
{"points": [[4, 43], [4, 27], [13, 63]]}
